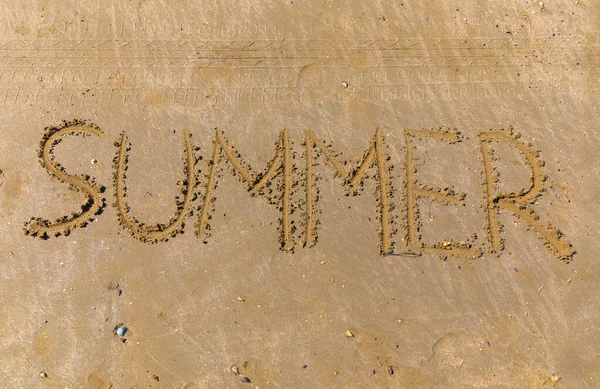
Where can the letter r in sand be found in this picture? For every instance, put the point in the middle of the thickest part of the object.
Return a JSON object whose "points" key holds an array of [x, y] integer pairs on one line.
{"points": [[517, 203]]}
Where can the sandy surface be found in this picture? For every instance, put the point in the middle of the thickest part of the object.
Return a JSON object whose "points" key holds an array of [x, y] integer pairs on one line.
{"points": [[299, 194]]}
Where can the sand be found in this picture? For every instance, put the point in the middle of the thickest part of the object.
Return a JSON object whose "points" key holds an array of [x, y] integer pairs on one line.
{"points": [[299, 194]]}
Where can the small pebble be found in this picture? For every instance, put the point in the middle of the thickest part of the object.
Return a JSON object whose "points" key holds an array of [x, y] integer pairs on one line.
{"points": [[121, 331], [349, 334], [246, 379], [390, 370], [43, 375]]}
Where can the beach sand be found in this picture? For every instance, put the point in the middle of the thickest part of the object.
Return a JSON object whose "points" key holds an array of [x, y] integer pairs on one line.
{"points": [[299, 194]]}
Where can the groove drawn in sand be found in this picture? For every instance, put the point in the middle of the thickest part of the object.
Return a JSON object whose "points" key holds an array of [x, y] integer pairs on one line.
{"points": [[158, 231], [94, 203], [260, 184], [518, 203], [353, 181], [279, 184], [311, 193], [447, 196], [64, 40]]}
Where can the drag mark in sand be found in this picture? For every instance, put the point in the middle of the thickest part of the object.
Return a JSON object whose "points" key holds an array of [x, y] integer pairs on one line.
{"points": [[94, 202], [156, 232], [353, 180], [259, 184], [280, 181], [518, 203], [447, 196]]}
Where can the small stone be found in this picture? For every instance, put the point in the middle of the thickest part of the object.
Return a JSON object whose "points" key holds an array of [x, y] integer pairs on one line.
{"points": [[235, 369], [94, 161], [345, 84], [43, 375], [349, 334], [390, 370], [246, 379], [121, 331]]}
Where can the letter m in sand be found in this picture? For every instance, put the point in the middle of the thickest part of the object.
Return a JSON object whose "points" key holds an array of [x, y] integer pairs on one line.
{"points": [[374, 160]]}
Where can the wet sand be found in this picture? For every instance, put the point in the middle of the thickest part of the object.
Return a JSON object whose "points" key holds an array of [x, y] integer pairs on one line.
{"points": [[299, 194]]}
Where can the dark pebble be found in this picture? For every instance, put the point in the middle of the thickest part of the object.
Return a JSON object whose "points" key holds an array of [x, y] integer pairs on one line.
{"points": [[246, 379]]}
